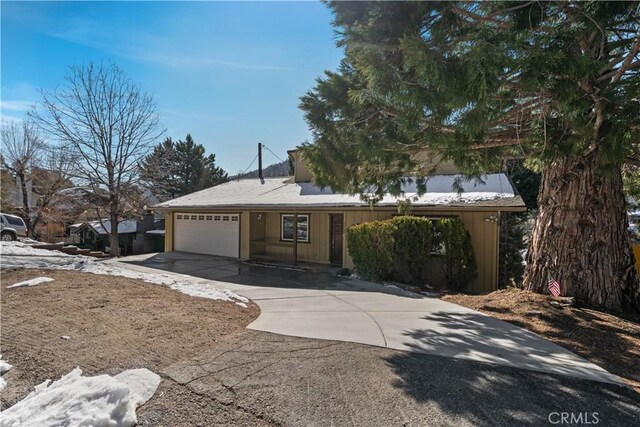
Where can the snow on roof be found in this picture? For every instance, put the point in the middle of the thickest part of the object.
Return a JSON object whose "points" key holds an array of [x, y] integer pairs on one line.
{"points": [[159, 232], [495, 190], [124, 227]]}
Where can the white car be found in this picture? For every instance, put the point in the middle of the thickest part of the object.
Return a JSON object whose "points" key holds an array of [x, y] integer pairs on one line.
{"points": [[12, 227]]}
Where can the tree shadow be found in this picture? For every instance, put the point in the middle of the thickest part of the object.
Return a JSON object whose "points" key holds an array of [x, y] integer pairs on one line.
{"points": [[482, 394]]}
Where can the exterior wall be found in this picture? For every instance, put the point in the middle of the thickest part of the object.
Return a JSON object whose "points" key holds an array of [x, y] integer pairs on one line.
{"points": [[168, 231], [264, 240], [317, 250], [301, 172], [484, 236]]}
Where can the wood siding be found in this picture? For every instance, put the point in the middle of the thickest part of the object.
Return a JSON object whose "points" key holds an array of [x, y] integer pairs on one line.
{"points": [[484, 236]]}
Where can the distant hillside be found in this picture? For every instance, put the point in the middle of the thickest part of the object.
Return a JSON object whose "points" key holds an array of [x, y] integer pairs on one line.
{"points": [[275, 170]]}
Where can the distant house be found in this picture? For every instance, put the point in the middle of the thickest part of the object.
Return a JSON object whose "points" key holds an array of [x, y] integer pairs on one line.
{"points": [[135, 236], [292, 219]]}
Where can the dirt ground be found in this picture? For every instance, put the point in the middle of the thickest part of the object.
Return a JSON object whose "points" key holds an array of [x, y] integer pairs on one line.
{"points": [[604, 339], [113, 324]]}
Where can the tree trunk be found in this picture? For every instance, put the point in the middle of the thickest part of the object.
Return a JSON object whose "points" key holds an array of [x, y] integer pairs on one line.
{"points": [[114, 243], [25, 202], [581, 236]]}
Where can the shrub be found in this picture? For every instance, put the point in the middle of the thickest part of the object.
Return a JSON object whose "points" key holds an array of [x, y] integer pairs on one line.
{"points": [[371, 248], [402, 248], [458, 258], [412, 245]]}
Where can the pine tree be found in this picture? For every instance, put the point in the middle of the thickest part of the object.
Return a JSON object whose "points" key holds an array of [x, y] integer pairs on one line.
{"points": [[174, 169], [555, 83]]}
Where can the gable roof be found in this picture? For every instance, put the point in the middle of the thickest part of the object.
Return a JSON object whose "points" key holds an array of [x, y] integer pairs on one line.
{"points": [[495, 191], [124, 227]]}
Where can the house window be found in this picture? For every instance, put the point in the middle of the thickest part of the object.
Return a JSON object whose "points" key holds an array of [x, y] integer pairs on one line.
{"points": [[286, 229], [216, 218], [179, 216], [194, 217], [234, 218], [201, 217], [209, 217], [225, 218]]}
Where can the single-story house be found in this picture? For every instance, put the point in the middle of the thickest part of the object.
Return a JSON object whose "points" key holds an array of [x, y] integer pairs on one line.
{"points": [[135, 236], [253, 219]]}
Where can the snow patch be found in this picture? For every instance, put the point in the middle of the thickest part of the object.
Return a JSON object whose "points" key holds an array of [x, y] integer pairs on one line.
{"points": [[32, 282], [19, 255], [4, 367], [98, 401]]}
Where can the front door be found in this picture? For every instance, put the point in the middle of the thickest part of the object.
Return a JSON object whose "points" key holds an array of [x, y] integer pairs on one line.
{"points": [[335, 239]]}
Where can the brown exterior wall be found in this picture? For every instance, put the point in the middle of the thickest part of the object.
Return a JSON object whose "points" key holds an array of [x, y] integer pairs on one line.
{"points": [[301, 171], [261, 238]]}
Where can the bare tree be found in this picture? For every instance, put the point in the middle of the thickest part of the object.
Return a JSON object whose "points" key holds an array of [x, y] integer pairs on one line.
{"points": [[52, 174], [22, 147], [108, 123]]}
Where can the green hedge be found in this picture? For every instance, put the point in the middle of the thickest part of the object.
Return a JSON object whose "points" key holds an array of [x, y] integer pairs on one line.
{"points": [[458, 258], [404, 248]]}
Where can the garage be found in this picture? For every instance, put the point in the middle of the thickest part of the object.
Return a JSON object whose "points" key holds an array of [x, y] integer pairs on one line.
{"points": [[207, 233]]}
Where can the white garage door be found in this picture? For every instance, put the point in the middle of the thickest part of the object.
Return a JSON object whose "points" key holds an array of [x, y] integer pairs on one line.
{"points": [[208, 233]]}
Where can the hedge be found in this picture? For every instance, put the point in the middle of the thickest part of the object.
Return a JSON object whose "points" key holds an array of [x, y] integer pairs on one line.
{"points": [[403, 248]]}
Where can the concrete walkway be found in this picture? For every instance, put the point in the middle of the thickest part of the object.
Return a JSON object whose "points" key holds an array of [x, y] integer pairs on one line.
{"points": [[324, 306]]}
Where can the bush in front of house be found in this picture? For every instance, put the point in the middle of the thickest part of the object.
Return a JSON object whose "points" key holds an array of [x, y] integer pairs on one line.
{"points": [[402, 248], [371, 248], [458, 258], [412, 245]]}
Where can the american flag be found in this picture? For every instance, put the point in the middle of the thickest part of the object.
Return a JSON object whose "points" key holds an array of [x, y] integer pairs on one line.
{"points": [[554, 287]]}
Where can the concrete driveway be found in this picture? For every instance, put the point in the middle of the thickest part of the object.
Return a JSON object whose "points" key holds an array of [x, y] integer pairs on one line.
{"points": [[322, 305]]}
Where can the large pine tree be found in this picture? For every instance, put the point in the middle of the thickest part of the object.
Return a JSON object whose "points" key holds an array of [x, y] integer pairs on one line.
{"points": [[553, 82], [176, 168]]}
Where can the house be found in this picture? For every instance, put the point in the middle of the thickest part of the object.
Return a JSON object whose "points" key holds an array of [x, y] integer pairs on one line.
{"points": [[253, 219], [135, 236]]}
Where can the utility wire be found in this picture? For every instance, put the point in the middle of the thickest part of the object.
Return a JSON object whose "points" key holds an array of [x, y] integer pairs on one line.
{"points": [[248, 167], [269, 149]]}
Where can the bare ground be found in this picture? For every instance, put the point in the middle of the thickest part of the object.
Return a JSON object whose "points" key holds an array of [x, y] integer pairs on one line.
{"points": [[605, 339], [113, 324], [217, 373]]}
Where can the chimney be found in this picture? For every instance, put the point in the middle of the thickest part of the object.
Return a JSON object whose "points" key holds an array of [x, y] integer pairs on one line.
{"points": [[260, 160]]}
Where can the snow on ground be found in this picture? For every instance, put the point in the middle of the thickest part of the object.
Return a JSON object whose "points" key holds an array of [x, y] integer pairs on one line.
{"points": [[74, 400], [32, 282], [4, 367], [19, 255]]}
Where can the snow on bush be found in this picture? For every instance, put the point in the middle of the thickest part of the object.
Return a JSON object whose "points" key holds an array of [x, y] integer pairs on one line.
{"points": [[32, 282], [75, 400], [19, 255]]}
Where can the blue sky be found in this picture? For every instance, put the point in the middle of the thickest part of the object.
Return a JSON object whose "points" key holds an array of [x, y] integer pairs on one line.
{"points": [[231, 74]]}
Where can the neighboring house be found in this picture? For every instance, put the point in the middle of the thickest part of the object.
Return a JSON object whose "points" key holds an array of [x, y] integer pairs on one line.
{"points": [[135, 236], [254, 218]]}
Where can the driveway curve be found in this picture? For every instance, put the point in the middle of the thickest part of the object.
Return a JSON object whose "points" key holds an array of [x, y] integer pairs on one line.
{"points": [[320, 305]]}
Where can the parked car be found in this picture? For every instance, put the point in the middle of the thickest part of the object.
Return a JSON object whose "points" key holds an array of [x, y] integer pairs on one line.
{"points": [[12, 227]]}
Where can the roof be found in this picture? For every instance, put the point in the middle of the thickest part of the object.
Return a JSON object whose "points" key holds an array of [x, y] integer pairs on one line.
{"points": [[124, 227], [495, 190]]}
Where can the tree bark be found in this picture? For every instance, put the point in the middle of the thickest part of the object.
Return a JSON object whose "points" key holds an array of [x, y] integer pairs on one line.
{"points": [[25, 202], [581, 236], [114, 243]]}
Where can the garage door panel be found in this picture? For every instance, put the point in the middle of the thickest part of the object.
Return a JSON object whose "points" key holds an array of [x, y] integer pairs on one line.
{"points": [[208, 233]]}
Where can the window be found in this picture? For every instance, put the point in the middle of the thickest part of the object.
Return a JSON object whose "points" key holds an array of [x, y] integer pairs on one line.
{"points": [[209, 217], [194, 217], [201, 217], [234, 218], [225, 218], [286, 229], [179, 217], [216, 218], [14, 220]]}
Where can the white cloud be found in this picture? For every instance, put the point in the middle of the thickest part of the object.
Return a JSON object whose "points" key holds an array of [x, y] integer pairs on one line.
{"points": [[14, 105], [147, 47]]}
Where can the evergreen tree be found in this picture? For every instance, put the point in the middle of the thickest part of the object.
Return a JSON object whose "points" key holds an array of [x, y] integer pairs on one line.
{"points": [[174, 169], [553, 82]]}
